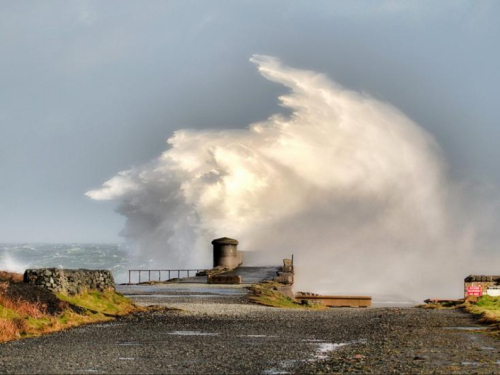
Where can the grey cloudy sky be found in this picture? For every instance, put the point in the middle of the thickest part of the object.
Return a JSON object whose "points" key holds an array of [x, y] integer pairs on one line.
{"points": [[89, 88]]}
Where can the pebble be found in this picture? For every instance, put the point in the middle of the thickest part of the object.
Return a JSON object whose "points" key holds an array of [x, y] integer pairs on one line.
{"points": [[233, 336]]}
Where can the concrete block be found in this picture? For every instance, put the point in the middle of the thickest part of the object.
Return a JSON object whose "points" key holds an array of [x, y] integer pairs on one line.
{"points": [[284, 278]]}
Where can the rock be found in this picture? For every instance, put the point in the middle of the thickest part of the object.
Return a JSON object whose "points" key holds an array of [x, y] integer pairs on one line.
{"points": [[310, 303], [284, 278]]}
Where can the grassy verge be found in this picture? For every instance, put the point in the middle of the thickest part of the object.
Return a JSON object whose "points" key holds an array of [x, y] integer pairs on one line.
{"points": [[107, 303], [11, 277], [445, 305], [27, 311], [486, 308], [268, 294]]}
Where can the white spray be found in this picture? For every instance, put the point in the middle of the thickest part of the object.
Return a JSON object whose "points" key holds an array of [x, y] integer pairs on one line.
{"points": [[348, 184]]}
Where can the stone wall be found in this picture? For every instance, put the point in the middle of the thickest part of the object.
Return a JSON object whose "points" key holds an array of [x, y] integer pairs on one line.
{"points": [[70, 281]]}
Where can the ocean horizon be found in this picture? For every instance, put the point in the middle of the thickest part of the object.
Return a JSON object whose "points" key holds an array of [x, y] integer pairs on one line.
{"points": [[116, 257]]}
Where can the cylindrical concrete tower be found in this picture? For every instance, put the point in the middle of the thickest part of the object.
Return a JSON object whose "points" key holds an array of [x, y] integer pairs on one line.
{"points": [[226, 253]]}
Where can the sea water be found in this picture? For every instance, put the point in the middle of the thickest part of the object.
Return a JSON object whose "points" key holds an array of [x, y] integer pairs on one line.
{"points": [[115, 257]]}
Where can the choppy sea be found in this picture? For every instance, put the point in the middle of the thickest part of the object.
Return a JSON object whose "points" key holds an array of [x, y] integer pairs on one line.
{"points": [[115, 257]]}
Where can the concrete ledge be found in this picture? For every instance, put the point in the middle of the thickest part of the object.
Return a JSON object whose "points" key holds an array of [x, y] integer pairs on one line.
{"points": [[224, 279], [337, 301]]}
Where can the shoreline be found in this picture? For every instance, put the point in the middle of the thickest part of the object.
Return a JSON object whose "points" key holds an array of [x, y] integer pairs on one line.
{"points": [[226, 334]]}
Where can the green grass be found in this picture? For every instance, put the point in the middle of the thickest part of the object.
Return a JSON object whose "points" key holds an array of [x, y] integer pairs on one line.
{"points": [[487, 307], [445, 305], [6, 313], [38, 324], [489, 303], [109, 303], [19, 319], [267, 294]]}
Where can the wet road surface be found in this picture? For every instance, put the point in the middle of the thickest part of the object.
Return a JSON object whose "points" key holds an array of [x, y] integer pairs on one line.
{"points": [[218, 332]]}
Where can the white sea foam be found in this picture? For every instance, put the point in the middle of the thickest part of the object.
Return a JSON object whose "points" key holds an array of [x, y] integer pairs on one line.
{"points": [[17, 257], [349, 184], [10, 264]]}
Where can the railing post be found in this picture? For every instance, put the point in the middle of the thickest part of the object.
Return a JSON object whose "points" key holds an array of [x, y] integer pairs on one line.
{"points": [[179, 272]]}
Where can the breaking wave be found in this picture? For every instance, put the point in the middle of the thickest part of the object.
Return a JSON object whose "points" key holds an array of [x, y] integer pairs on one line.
{"points": [[350, 185]]}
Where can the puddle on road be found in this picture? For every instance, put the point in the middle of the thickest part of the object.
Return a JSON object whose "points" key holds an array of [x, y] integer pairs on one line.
{"points": [[470, 363], [105, 325], [469, 328], [126, 358], [325, 347], [233, 291], [182, 289], [192, 333], [275, 371], [129, 344], [257, 336], [280, 368]]}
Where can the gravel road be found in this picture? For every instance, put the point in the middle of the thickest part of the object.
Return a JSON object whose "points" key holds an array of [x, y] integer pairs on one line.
{"points": [[218, 332]]}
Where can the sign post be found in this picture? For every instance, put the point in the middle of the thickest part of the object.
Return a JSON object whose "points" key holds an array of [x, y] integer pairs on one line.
{"points": [[474, 291]]}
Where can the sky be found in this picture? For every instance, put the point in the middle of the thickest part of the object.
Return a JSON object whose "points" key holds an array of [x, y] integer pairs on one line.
{"points": [[89, 88]]}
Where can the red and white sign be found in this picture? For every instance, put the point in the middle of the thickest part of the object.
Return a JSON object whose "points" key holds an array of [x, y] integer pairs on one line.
{"points": [[474, 291]]}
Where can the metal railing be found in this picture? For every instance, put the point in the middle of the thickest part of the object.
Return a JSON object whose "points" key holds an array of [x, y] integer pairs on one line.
{"points": [[180, 272]]}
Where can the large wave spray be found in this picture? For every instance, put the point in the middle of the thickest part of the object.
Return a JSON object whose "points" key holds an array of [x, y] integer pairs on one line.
{"points": [[350, 185]]}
